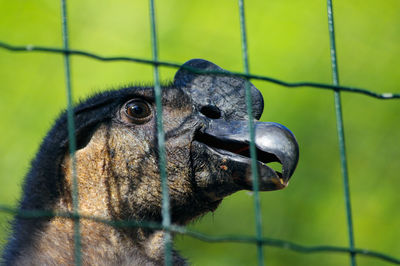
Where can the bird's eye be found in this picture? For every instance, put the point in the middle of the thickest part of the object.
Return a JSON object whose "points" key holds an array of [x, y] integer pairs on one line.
{"points": [[138, 111]]}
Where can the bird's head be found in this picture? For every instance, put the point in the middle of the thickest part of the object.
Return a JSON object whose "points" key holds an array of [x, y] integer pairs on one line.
{"points": [[206, 140]]}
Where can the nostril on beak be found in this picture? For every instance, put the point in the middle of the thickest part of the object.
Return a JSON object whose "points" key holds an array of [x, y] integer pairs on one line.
{"points": [[211, 111]]}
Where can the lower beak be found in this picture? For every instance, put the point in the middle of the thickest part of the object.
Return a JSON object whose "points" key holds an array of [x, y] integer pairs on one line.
{"points": [[273, 142]]}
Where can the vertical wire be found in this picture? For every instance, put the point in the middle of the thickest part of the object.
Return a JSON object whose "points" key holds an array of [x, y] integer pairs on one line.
{"points": [[340, 132], [166, 217], [71, 136], [253, 154]]}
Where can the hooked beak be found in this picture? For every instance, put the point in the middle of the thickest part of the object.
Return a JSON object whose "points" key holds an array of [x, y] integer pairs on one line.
{"points": [[230, 140]]}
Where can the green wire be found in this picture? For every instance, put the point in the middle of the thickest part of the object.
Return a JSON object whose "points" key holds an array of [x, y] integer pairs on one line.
{"points": [[340, 132], [33, 48], [166, 217], [71, 136], [253, 154], [277, 243]]}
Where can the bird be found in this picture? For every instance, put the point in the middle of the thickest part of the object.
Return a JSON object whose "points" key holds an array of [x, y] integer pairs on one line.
{"points": [[206, 129]]}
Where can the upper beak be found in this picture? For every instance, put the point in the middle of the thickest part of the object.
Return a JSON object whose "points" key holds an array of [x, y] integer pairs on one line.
{"points": [[274, 143]]}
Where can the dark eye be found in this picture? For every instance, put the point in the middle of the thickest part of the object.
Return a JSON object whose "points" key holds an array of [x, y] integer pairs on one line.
{"points": [[138, 110]]}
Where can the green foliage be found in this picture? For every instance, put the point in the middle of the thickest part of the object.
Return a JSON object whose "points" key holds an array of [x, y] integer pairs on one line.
{"points": [[287, 40]]}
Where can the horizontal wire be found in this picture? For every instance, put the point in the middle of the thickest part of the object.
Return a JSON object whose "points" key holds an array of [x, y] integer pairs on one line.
{"points": [[31, 48], [278, 243]]}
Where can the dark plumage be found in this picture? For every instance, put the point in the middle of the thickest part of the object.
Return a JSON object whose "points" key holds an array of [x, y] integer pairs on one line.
{"points": [[205, 123]]}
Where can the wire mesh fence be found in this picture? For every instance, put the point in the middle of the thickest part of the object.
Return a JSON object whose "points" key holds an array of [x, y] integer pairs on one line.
{"points": [[166, 225]]}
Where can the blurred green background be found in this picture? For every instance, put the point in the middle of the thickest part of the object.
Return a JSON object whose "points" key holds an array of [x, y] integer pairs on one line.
{"points": [[288, 40]]}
